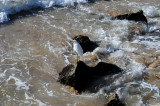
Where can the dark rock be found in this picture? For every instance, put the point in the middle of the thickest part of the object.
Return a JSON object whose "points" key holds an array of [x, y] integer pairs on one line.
{"points": [[91, 1], [101, 17], [114, 101], [139, 16], [107, 0], [84, 78], [86, 44]]}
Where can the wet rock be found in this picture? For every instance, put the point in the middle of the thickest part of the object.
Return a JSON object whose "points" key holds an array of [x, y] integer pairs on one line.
{"points": [[139, 16], [112, 12], [155, 64], [84, 78], [136, 29], [113, 100], [90, 59], [71, 89], [86, 43], [152, 76]]}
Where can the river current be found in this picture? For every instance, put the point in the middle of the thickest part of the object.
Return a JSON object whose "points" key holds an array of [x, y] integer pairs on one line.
{"points": [[35, 45]]}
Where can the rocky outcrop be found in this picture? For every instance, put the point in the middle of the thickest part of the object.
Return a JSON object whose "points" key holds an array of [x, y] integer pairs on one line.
{"points": [[84, 78], [139, 16], [86, 43]]}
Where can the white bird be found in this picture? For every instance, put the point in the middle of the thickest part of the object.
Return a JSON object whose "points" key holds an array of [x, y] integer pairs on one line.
{"points": [[77, 48]]}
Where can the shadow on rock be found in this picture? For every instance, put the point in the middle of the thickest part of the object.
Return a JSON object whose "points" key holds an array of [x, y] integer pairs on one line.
{"points": [[86, 43], [139, 16], [84, 78]]}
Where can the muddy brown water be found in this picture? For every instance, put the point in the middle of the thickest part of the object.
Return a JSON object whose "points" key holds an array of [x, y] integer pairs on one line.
{"points": [[34, 49]]}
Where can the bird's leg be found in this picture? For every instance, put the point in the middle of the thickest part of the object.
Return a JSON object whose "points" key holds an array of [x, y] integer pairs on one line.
{"points": [[77, 58]]}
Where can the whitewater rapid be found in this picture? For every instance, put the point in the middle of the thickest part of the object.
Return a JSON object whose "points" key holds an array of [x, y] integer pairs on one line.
{"points": [[8, 7]]}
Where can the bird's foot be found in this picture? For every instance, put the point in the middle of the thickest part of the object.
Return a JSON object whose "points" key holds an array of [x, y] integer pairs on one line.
{"points": [[78, 60]]}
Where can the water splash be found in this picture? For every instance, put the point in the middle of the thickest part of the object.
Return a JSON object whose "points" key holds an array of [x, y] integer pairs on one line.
{"points": [[11, 7]]}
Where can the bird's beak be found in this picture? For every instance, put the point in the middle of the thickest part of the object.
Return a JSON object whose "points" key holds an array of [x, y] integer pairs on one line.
{"points": [[70, 41]]}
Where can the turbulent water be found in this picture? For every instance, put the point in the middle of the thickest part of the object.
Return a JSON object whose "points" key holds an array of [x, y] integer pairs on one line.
{"points": [[35, 46]]}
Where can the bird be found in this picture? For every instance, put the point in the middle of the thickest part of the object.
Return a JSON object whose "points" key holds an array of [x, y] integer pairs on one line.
{"points": [[78, 49]]}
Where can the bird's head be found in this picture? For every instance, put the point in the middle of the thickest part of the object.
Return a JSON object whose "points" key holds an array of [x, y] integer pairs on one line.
{"points": [[74, 41]]}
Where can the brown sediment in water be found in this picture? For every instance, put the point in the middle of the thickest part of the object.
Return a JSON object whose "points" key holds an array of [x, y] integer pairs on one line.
{"points": [[155, 64], [34, 49]]}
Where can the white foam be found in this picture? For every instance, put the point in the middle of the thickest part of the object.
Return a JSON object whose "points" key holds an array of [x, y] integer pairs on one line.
{"points": [[150, 41], [100, 50], [151, 11], [134, 4], [3, 17], [117, 32], [66, 59], [134, 92], [12, 6], [129, 49], [137, 68], [2, 75], [35, 100], [100, 32], [50, 93], [19, 83]]}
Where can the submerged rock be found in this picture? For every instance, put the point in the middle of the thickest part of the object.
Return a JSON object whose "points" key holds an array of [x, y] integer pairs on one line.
{"points": [[86, 43], [84, 78], [152, 76], [155, 64], [139, 16], [113, 100]]}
